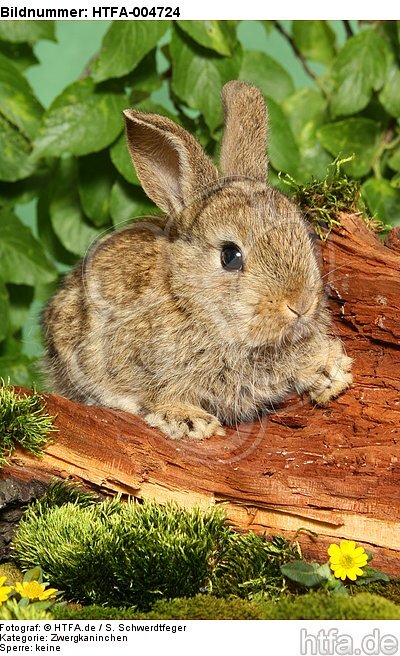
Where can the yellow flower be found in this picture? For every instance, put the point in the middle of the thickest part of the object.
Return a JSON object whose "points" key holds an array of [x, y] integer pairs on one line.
{"points": [[347, 560], [34, 590], [4, 589]]}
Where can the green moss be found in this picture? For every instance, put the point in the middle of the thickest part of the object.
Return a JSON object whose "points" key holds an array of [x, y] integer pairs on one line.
{"points": [[251, 564], [322, 201], [12, 572], [58, 493], [390, 590], [23, 421], [199, 607], [321, 605], [313, 606], [131, 554]]}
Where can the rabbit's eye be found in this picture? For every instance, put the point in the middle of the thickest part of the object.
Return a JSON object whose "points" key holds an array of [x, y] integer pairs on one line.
{"points": [[231, 257]]}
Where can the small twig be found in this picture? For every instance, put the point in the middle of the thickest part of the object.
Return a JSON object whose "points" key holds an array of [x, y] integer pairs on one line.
{"points": [[348, 28], [296, 51]]}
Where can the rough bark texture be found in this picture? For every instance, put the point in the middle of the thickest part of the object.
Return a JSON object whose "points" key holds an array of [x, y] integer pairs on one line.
{"points": [[334, 472]]}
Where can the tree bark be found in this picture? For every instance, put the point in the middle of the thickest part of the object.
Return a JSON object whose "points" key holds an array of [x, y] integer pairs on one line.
{"points": [[319, 474]]}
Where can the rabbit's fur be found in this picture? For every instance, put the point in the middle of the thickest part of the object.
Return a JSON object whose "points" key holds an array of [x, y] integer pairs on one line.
{"points": [[150, 322]]}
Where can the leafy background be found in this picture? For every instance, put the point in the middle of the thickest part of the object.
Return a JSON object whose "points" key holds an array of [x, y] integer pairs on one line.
{"points": [[333, 89]]}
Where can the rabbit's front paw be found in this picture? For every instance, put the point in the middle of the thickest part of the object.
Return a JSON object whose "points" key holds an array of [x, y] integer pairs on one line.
{"points": [[184, 421], [334, 378]]}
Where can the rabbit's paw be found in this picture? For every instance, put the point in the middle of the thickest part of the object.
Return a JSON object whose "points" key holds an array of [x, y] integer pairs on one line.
{"points": [[334, 378], [184, 421]]}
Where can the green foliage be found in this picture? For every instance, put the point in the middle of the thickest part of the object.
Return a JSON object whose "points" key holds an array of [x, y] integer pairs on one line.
{"points": [[25, 597], [71, 160], [250, 566], [12, 610], [199, 607], [314, 575], [23, 421], [323, 200], [83, 119], [127, 554], [311, 606], [390, 590], [12, 572], [315, 39]]}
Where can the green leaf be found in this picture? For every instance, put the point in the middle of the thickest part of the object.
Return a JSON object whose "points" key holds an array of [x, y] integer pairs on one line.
{"points": [[34, 574], [124, 46], [314, 160], [315, 39], [27, 31], [304, 573], [122, 160], [21, 54], [283, 151], [145, 77], [268, 25], [129, 202], [370, 575], [390, 94], [48, 237], [16, 161], [306, 111], [67, 217], [267, 74], [23, 191], [18, 103], [22, 259], [4, 311], [352, 136], [382, 199], [336, 586], [95, 179], [199, 75], [21, 298], [394, 160], [303, 106], [81, 120], [20, 369], [360, 68], [219, 36]]}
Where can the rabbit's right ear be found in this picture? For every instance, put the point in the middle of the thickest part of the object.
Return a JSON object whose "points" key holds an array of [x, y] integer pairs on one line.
{"points": [[171, 165], [243, 150]]}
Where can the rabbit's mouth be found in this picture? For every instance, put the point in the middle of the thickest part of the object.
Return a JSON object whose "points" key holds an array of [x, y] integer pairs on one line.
{"points": [[286, 323]]}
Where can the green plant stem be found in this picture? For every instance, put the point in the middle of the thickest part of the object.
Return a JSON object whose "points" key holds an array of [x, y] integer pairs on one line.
{"points": [[348, 28], [298, 54]]}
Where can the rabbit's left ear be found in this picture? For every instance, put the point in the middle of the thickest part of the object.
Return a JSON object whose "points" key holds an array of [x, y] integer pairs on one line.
{"points": [[243, 150], [169, 162]]}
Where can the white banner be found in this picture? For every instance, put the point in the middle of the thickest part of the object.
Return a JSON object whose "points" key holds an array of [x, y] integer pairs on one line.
{"points": [[201, 638], [189, 10]]}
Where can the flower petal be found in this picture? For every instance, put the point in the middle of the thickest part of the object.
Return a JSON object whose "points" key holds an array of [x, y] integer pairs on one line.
{"points": [[3, 579], [334, 551], [363, 558], [359, 551], [347, 546], [351, 574], [338, 572]]}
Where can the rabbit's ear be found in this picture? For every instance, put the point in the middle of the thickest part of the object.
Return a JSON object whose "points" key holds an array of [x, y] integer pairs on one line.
{"points": [[245, 136], [170, 163]]}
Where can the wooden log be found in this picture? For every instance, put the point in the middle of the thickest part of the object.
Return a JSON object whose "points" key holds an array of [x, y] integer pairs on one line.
{"points": [[319, 474]]}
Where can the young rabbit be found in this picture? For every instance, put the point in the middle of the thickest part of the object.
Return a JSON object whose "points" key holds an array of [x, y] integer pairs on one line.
{"points": [[206, 316]]}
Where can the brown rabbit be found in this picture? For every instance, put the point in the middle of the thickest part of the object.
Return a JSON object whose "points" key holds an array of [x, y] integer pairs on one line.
{"points": [[210, 314]]}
